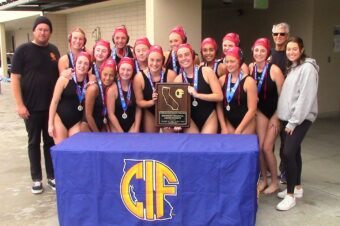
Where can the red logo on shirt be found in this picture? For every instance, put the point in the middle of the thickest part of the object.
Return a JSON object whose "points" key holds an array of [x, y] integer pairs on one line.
{"points": [[53, 56]]}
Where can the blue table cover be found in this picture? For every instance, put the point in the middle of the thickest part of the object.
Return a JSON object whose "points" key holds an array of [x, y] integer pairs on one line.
{"points": [[156, 179]]}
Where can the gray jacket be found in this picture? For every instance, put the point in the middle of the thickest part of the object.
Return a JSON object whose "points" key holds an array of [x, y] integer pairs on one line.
{"points": [[298, 98]]}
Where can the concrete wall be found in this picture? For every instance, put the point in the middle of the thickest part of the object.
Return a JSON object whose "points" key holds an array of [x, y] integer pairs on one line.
{"points": [[251, 24], [306, 19], [328, 60], [59, 31], [131, 14], [168, 14]]}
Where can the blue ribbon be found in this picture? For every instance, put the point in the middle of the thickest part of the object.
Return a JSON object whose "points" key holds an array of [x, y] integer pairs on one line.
{"points": [[230, 92], [260, 80], [185, 76], [80, 92], [150, 80], [124, 103], [174, 66], [100, 84], [114, 53], [72, 59]]}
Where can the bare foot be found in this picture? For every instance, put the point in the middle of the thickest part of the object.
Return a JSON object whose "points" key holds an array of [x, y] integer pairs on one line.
{"points": [[271, 189], [261, 185]]}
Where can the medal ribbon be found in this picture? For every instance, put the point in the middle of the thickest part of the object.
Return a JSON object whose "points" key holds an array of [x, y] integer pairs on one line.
{"points": [[174, 66], [80, 92], [261, 79], [101, 89], [124, 103], [150, 80], [185, 76], [215, 66], [137, 65], [231, 91], [72, 59], [114, 53]]}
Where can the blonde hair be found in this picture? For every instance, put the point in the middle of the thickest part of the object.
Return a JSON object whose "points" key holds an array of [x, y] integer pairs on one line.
{"points": [[281, 25]]}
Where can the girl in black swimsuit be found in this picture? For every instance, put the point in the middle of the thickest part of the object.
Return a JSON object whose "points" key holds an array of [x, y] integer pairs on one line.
{"points": [[269, 80], [204, 89], [209, 53], [236, 113], [144, 85], [77, 41], [96, 95], [232, 40], [67, 105], [124, 114], [141, 49], [120, 39]]}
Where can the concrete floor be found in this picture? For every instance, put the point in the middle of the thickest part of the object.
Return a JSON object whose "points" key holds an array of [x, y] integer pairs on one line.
{"points": [[321, 178]]}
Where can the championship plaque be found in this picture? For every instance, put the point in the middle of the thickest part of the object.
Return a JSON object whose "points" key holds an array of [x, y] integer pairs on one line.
{"points": [[173, 105]]}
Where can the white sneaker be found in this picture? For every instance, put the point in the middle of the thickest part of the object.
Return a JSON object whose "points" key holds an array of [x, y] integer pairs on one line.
{"points": [[298, 193], [51, 183], [287, 203], [37, 187]]}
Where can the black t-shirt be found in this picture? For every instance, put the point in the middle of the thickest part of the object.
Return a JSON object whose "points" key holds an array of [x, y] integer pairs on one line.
{"points": [[38, 67], [279, 58]]}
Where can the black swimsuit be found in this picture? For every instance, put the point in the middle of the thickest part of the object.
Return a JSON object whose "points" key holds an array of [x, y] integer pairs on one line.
{"points": [[130, 111], [116, 58], [216, 70], [147, 91], [68, 105], [268, 96], [203, 110], [98, 111], [238, 104], [70, 63], [169, 65]]}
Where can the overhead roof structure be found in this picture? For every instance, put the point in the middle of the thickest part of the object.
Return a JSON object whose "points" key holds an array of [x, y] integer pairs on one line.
{"points": [[43, 5]]}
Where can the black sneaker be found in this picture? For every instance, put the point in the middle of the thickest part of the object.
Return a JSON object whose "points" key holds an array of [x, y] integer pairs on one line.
{"points": [[283, 179], [37, 187], [51, 183]]}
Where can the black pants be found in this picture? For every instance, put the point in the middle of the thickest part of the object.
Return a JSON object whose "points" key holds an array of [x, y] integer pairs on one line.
{"points": [[282, 164], [37, 124], [292, 154]]}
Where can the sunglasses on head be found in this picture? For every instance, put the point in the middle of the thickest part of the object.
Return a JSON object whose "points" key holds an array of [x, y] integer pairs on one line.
{"points": [[281, 34]]}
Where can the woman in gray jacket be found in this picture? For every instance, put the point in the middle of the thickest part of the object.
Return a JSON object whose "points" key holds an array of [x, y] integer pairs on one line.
{"points": [[297, 110]]}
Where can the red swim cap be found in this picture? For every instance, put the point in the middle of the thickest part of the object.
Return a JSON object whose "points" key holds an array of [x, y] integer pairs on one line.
{"points": [[233, 37]]}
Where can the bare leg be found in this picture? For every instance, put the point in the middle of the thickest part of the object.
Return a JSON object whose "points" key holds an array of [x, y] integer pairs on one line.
{"points": [[270, 158], [261, 126], [192, 129], [149, 122], [74, 129], [60, 130], [211, 124]]}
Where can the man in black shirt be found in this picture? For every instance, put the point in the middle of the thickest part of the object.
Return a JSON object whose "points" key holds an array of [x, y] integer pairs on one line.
{"points": [[280, 34], [34, 74]]}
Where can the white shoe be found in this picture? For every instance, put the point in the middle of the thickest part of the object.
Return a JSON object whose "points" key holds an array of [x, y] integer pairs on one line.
{"points": [[37, 187], [298, 193], [287, 203], [51, 183]]}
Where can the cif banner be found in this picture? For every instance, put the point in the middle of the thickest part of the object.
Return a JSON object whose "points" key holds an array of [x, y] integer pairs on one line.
{"points": [[156, 179]]}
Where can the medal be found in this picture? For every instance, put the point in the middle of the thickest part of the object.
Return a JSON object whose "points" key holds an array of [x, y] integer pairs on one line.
{"points": [[123, 102], [80, 90], [124, 115], [229, 92], [195, 103], [102, 94]]}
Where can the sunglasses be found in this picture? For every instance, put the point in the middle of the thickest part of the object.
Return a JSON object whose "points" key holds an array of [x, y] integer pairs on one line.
{"points": [[281, 34]]}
